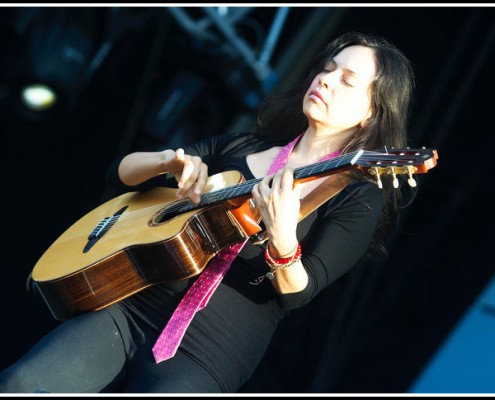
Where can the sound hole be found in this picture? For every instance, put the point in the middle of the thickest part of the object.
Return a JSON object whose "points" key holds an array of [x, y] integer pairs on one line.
{"points": [[177, 208]]}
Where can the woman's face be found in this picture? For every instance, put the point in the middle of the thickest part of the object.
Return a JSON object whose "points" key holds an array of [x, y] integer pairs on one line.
{"points": [[339, 97]]}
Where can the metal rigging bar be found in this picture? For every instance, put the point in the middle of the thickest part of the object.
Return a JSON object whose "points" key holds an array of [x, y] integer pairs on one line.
{"points": [[224, 20]]}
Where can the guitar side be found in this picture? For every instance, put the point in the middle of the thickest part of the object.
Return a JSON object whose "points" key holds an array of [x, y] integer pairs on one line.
{"points": [[136, 252]]}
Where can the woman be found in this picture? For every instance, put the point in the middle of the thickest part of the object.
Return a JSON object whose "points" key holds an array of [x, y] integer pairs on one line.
{"points": [[357, 96]]}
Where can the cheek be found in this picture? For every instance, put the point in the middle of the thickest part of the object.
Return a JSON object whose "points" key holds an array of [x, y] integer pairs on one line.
{"points": [[350, 110], [358, 106]]}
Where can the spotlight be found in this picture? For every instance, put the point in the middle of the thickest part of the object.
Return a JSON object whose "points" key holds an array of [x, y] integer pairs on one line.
{"points": [[38, 97]]}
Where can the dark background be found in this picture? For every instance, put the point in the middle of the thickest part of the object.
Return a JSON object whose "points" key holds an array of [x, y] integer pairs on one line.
{"points": [[117, 68]]}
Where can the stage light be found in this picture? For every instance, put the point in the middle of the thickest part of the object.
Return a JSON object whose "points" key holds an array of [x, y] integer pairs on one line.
{"points": [[38, 97]]}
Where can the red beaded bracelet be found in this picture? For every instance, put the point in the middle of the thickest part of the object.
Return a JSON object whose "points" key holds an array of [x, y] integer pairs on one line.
{"points": [[285, 262], [278, 263]]}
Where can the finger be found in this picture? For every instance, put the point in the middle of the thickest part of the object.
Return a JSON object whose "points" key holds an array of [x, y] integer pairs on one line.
{"points": [[179, 154], [277, 181], [178, 166], [287, 179], [266, 182], [255, 192], [297, 189], [202, 178], [264, 189], [189, 173], [195, 192]]}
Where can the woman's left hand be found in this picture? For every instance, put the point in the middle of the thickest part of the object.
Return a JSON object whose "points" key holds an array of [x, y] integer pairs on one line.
{"points": [[278, 201]]}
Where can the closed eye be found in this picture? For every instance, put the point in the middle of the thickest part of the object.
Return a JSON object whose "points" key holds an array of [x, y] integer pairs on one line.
{"points": [[347, 83]]}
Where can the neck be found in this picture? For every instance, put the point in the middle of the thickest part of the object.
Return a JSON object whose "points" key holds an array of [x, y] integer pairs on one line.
{"points": [[315, 145]]}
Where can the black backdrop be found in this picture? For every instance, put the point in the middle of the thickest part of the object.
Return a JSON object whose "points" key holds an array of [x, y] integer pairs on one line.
{"points": [[375, 329]]}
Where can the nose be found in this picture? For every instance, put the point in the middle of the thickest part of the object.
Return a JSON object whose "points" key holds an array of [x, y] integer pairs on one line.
{"points": [[327, 79]]}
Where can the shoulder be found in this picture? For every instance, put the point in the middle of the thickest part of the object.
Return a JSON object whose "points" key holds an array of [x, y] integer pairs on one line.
{"points": [[218, 143], [360, 196], [364, 190], [237, 143]]}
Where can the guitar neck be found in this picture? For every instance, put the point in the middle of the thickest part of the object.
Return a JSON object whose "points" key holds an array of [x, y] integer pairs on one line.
{"points": [[390, 162], [302, 173]]}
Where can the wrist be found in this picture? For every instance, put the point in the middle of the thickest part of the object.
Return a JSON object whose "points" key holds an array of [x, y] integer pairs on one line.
{"points": [[164, 158], [283, 249], [279, 263], [276, 263]]}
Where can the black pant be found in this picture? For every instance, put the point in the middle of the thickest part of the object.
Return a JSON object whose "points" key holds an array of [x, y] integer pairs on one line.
{"points": [[102, 352]]}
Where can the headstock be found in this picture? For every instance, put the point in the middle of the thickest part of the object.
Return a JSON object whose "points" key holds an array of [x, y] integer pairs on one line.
{"points": [[397, 162]]}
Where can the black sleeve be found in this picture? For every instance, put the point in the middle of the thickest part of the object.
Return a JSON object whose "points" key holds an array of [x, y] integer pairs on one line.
{"points": [[212, 150], [339, 239]]}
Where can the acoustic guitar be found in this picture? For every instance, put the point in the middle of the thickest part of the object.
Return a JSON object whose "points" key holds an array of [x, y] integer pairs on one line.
{"points": [[139, 239]]}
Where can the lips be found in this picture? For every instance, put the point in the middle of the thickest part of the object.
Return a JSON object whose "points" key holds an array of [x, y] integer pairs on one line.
{"points": [[316, 94]]}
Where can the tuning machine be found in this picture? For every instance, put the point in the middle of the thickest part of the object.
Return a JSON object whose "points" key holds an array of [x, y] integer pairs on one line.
{"points": [[408, 170]]}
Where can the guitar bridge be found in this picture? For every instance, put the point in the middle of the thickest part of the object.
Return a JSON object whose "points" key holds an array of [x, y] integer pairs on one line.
{"points": [[102, 228]]}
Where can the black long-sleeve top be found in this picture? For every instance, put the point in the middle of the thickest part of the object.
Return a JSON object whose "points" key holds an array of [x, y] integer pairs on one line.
{"points": [[230, 335]]}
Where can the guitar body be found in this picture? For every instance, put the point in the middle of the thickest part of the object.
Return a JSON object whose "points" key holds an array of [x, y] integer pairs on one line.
{"points": [[138, 247]]}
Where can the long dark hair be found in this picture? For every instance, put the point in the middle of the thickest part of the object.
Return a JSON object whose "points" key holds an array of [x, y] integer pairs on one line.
{"points": [[280, 114]]}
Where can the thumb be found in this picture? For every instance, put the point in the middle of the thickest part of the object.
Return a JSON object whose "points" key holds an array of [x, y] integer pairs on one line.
{"points": [[179, 154], [297, 188]]}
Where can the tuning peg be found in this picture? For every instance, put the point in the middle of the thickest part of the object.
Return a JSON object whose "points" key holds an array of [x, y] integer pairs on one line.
{"points": [[375, 171], [410, 180], [395, 181]]}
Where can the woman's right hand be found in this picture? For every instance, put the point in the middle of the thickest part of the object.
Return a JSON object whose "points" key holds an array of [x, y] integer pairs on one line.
{"points": [[190, 172]]}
